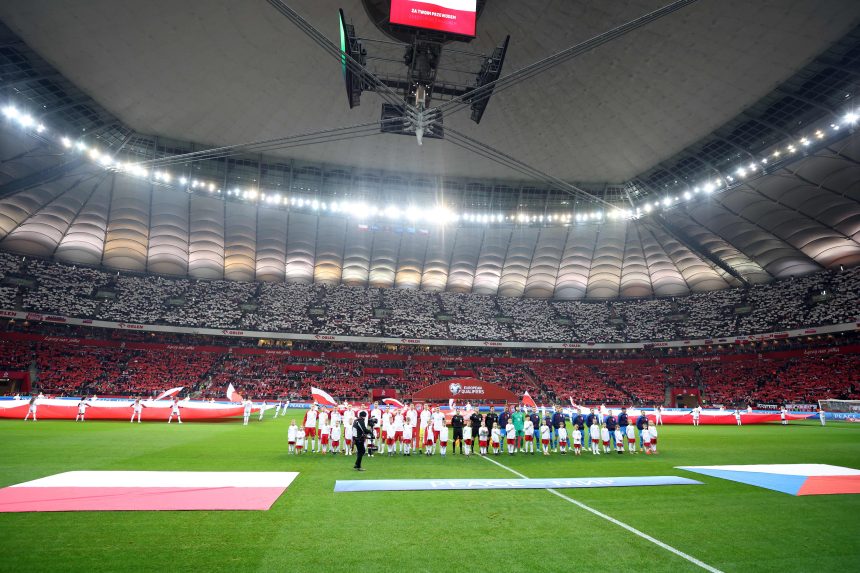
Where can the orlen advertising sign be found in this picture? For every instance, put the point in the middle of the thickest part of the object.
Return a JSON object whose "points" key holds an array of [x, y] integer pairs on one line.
{"points": [[452, 16], [463, 390]]}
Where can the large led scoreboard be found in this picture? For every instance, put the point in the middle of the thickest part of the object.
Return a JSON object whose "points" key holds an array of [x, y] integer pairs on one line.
{"points": [[449, 16]]}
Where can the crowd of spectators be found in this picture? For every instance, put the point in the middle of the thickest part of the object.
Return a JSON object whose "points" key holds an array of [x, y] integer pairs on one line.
{"points": [[827, 297], [62, 368]]}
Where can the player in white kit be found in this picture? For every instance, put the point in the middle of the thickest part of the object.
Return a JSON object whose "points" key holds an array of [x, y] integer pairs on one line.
{"points": [[511, 437], [174, 411], [300, 440], [291, 436], [822, 416], [653, 431], [594, 433], [407, 440], [31, 409], [604, 437], [658, 415], [737, 414], [310, 426], [325, 433], [544, 438], [397, 426], [529, 430], [429, 440], [136, 410], [246, 410], [412, 420], [483, 437], [467, 440], [619, 440], [375, 412], [335, 439], [82, 410], [443, 440], [562, 439], [646, 440], [347, 439], [262, 410], [631, 438], [438, 422]]}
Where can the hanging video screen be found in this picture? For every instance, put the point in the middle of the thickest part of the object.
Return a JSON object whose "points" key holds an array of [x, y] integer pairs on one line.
{"points": [[451, 16]]}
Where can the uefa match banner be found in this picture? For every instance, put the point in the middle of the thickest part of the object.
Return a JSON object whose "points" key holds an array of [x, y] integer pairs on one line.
{"points": [[464, 390], [453, 16]]}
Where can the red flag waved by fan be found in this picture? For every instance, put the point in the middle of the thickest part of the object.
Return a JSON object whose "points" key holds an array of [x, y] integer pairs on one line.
{"points": [[322, 397], [232, 395], [394, 402], [528, 401]]}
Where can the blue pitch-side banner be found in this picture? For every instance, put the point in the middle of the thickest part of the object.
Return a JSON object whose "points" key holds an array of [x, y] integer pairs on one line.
{"points": [[546, 483]]}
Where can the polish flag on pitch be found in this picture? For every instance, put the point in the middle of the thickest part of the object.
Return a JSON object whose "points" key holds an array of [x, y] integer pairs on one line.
{"points": [[528, 401], [394, 402], [169, 393], [147, 491], [322, 397], [232, 395]]}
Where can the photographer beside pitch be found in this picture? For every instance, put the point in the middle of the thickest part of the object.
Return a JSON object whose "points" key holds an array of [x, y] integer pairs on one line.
{"points": [[360, 433]]}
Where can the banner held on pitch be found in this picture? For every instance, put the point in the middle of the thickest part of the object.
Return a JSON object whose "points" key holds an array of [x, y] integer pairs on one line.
{"points": [[484, 484]]}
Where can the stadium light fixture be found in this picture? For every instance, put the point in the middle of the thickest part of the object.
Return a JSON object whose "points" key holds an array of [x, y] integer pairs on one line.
{"points": [[67, 143], [851, 118]]}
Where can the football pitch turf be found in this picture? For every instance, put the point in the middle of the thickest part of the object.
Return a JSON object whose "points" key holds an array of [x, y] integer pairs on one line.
{"points": [[727, 526]]}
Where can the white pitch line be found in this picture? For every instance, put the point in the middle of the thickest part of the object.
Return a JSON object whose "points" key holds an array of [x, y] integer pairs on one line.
{"points": [[610, 519]]}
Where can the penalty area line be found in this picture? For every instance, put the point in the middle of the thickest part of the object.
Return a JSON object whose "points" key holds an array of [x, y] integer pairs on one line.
{"points": [[611, 519]]}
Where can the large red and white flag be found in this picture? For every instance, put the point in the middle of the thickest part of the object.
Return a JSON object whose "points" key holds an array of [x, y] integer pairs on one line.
{"points": [[147, 491], [232, 395], [169, 393], [394, 402], [322, 397], [529, 401]]}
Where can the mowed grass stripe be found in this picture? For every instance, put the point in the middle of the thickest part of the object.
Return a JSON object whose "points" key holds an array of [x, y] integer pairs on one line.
{"points": [[614, 521]]}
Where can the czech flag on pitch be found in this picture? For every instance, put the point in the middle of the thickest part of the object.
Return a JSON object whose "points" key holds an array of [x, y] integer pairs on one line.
{"points": [[169, 393], [322, 397], [528, 401], [232, 395], [394, 402]]}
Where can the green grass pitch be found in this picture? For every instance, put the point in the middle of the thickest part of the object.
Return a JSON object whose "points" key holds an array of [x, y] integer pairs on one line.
{"points": [[729, 526]]}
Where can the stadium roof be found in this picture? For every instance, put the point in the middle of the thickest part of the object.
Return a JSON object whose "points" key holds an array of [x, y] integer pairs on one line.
{"points": [[223, 72], [752, 97]]}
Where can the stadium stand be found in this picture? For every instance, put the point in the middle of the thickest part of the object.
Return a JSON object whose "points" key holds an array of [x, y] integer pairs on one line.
{"points": [[343, 310]]}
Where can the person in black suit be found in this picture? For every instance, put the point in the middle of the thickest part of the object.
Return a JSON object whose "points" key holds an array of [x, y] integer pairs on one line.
{"points": [[359, 436]]}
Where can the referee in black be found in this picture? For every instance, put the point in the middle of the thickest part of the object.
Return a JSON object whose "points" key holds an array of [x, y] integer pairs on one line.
{"points": [[457, 423], [359, 435]]}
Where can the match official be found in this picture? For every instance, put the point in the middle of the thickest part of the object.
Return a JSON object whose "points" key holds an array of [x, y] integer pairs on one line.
{"points": [[457, 424]]}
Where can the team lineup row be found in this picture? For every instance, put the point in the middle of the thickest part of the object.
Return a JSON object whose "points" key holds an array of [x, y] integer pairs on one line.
{"points": [[404, 430]]}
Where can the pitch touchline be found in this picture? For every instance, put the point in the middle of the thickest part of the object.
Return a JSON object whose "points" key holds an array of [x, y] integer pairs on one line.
{"points": [[629, 528]]}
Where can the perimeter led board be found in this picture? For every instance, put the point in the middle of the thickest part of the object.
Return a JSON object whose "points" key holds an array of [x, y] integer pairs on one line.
{"points": [[450, 16]]}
